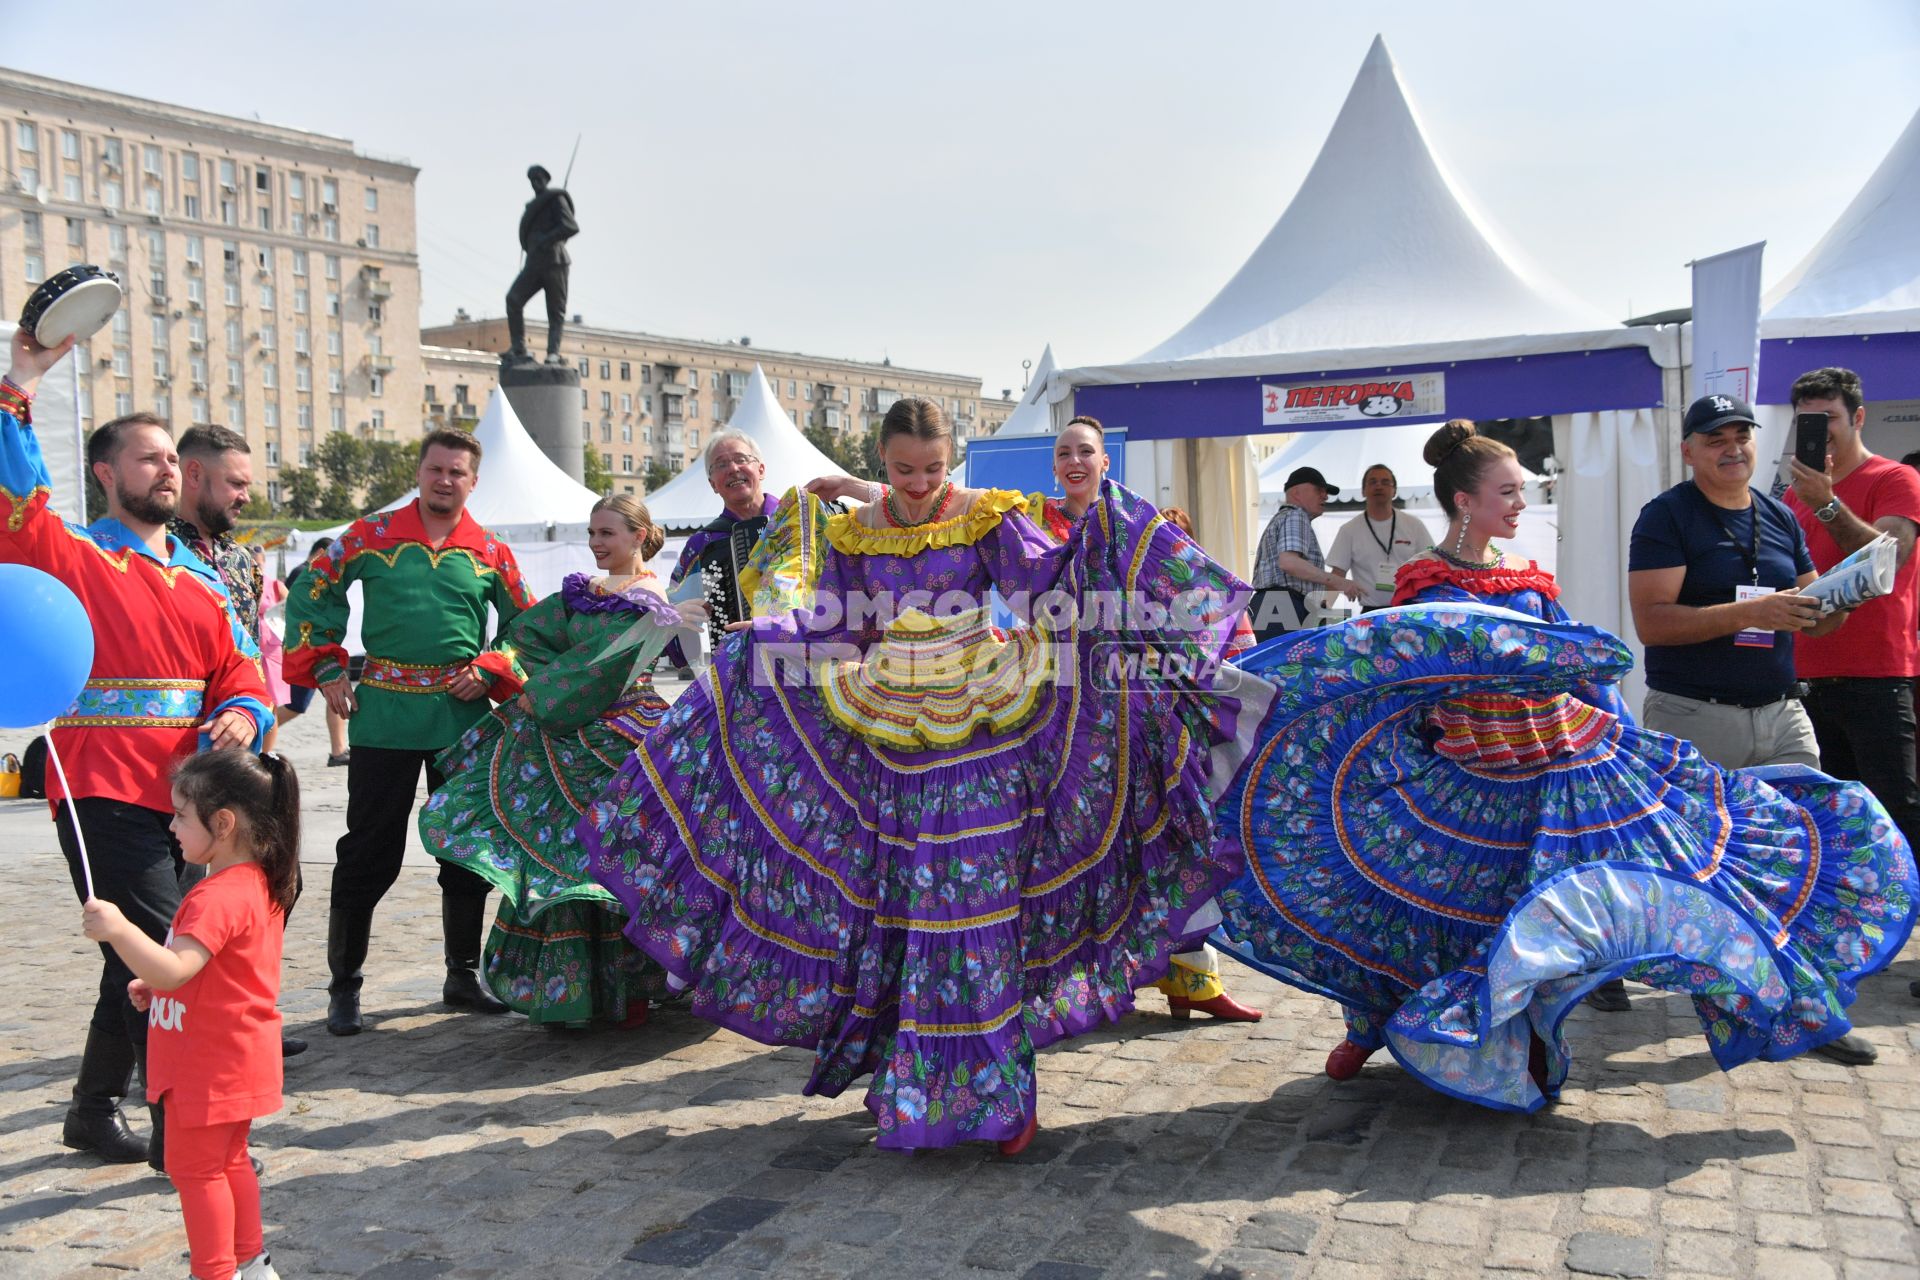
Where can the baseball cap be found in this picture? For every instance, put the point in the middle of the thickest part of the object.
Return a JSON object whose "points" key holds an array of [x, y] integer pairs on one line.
{"points": [[1309, 475], [1710, 413]]}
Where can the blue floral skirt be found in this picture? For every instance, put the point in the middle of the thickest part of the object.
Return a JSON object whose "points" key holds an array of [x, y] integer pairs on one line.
{"points": [[1452, 845]]}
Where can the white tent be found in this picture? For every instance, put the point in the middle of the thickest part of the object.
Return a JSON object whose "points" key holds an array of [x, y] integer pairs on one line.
{"points": [[1033, 416], [687, 501], [1864, 274], [1379, 248], [1361, 278], [1853, 301]]}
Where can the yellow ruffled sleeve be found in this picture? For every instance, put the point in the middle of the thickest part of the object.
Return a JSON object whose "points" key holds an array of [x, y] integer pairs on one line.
{"points": [[780, 574], [848, 536]]}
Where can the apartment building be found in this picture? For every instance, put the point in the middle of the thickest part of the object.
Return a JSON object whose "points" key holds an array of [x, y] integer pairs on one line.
{"points": [[271, 274]]}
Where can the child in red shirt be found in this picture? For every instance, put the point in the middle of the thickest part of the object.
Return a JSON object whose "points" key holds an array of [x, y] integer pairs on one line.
{"points": [[213, 1034]]}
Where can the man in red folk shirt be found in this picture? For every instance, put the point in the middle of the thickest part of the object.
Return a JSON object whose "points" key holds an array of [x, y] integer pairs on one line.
{"points": [[1860, 678], [171, 667]]}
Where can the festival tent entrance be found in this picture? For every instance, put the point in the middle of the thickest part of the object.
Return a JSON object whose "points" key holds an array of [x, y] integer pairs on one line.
{"points": [[1372, 303], [687, 501], [1854, 301]]}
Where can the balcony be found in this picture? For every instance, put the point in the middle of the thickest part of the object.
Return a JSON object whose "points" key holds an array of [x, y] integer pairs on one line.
{"points": [[379, 290], [380, 364]]}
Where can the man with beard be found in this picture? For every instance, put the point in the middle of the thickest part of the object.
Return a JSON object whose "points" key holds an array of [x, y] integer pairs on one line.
{"points": [[216, 483], [171, 666], [428, 573]]}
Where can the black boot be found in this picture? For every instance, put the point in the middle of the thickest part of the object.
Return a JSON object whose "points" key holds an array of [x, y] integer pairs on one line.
{"points": [[348, 933], [461, 920], [94, 1120], [1610, 997]]}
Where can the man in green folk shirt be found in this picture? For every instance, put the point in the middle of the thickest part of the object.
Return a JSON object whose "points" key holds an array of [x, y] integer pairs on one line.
{"points": [[427, 573]]}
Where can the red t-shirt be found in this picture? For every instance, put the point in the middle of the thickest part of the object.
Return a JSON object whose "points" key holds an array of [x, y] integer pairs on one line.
{"points": [[1880, 638], [213, 1045]]}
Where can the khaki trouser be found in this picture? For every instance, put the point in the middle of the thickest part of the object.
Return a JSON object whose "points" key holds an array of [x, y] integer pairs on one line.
{"points": [[1737, 737]]}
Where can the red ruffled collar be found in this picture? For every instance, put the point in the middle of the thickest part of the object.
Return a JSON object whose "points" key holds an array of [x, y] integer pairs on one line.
{"points": [[1416, 576]]}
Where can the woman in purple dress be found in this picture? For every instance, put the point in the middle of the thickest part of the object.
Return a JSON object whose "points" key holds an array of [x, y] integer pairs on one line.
{"points": [[883, 830]]}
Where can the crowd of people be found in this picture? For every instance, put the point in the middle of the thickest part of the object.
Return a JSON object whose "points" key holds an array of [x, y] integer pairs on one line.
{"points": [[970, 768]]}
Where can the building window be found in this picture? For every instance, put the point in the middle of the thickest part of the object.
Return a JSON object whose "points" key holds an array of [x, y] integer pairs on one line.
{"points": [[302, 341], [300, 262], [69, 144], [226, 174], [270, 413], [626, 462], [626, 402], [337, 418], [197, 329], [233, 373], [333, 266], [269, 337], [626, 433], [606, 460], [266, 297], [373, 236], [300, 302], [333, 305], [330, 194], [303, 416], [333, 342], [122, 403], [77, 232], [273, 453], [305, 453], [303, 377], [376, 384], [330, 229], [373, 200], [34, 268], [233, 293], [197, 406], [196, 291], [626, 371], [70, 191], [606, 433], [296, 187], [586, 366], [606, 369], [379, 420], [263, 215], [606, 402], [273, 492], [28, 137], [646, 375], [233, 335], [270, 376], [333, 379], [262, 180]]}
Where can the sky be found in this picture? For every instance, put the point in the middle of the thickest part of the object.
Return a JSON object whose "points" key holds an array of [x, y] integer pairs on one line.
{"points": [[956, 186]]}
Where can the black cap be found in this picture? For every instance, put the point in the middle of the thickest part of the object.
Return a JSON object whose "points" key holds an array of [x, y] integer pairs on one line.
{"points": [[1710, 413], [1309, 475]]}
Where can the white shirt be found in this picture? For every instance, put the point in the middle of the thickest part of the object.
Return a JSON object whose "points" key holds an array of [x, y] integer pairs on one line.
{"points": [[1372, 551]]}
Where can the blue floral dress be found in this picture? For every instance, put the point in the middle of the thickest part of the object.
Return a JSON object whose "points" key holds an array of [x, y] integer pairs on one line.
{"points": [[1454, 831]]}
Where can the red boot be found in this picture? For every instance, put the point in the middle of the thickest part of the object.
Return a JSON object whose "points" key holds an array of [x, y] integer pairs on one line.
{"points": [[1014, 1146], [637, 1014], [1222, 1006], [1347, 1058]]}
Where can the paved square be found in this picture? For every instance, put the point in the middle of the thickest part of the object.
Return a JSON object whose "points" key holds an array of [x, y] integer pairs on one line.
{"points": [[440, 1145]]}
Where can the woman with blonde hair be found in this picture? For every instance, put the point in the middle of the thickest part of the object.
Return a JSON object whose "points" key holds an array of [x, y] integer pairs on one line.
{"points": [[581, 660]]}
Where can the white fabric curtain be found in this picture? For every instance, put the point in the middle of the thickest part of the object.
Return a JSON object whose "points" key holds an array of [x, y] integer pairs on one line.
{"points": [[1612, 467]]}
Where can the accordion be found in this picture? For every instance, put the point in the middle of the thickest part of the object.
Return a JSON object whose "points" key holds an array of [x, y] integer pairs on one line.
{"points": [[719, 565]]}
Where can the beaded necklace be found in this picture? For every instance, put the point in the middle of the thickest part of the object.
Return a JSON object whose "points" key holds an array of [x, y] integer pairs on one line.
{"points": [[1463, 563], [897, 521]]}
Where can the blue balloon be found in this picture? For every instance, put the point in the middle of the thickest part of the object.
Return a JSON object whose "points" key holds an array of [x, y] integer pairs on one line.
{"points": [[46, 647]]}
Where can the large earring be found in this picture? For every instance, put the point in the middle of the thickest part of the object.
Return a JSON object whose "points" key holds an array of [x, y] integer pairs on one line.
{"points": [[1460, 543]]}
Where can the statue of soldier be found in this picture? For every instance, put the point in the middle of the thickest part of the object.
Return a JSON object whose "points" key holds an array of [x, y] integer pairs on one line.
{"points": [[545, 228]]}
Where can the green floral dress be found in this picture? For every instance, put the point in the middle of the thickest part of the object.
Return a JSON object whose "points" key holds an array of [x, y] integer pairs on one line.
{"points": [[518, 780]]}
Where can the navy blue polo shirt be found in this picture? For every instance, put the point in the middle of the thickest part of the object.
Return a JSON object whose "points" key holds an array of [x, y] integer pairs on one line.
{"points": [[1680, 527]]}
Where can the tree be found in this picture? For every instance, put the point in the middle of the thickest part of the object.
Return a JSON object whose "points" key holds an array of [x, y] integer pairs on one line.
{"points": [[594, 474], [304, 491], [339, 503], [859, 457], [343, 460], [657, 474], [257, 508], [392, 468]]}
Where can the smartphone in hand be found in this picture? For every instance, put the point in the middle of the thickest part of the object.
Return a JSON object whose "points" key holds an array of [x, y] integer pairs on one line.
{"points": [[1810, 440]]}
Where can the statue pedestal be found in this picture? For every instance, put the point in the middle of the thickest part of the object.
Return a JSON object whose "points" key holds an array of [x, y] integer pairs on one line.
{"points": [[546, 399]]}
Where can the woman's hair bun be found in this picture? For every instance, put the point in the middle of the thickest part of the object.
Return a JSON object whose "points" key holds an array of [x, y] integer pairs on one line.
{"points": [[1449, 437]]}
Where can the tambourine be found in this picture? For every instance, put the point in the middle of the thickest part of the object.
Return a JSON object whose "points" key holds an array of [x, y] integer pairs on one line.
{"points": [[75, 303]]}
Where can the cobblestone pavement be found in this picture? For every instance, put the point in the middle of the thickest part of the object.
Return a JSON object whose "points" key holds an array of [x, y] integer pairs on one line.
{"points": [[439, 1145]]}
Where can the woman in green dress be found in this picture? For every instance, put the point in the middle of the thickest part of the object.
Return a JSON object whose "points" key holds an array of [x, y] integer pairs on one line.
{"points": [[516, 782]]}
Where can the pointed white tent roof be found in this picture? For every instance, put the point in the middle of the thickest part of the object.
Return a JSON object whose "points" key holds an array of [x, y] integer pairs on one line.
{"points": [[1033, 416], [520, 487], [687, 501], [1864, 275], [1379, 248]]}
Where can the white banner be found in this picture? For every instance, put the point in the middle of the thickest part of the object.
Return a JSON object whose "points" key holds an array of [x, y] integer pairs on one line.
{"points": [[1387, 396], [1726, 324]]}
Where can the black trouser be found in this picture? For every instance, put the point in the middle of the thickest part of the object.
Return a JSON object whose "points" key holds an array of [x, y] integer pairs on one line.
{"points": [[539, 276], [138, 868], [1275, 611], [380, 786], [1865, 727]]}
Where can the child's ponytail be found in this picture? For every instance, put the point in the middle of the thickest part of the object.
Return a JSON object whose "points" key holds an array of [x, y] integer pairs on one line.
{"points": [[280, 840]]}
